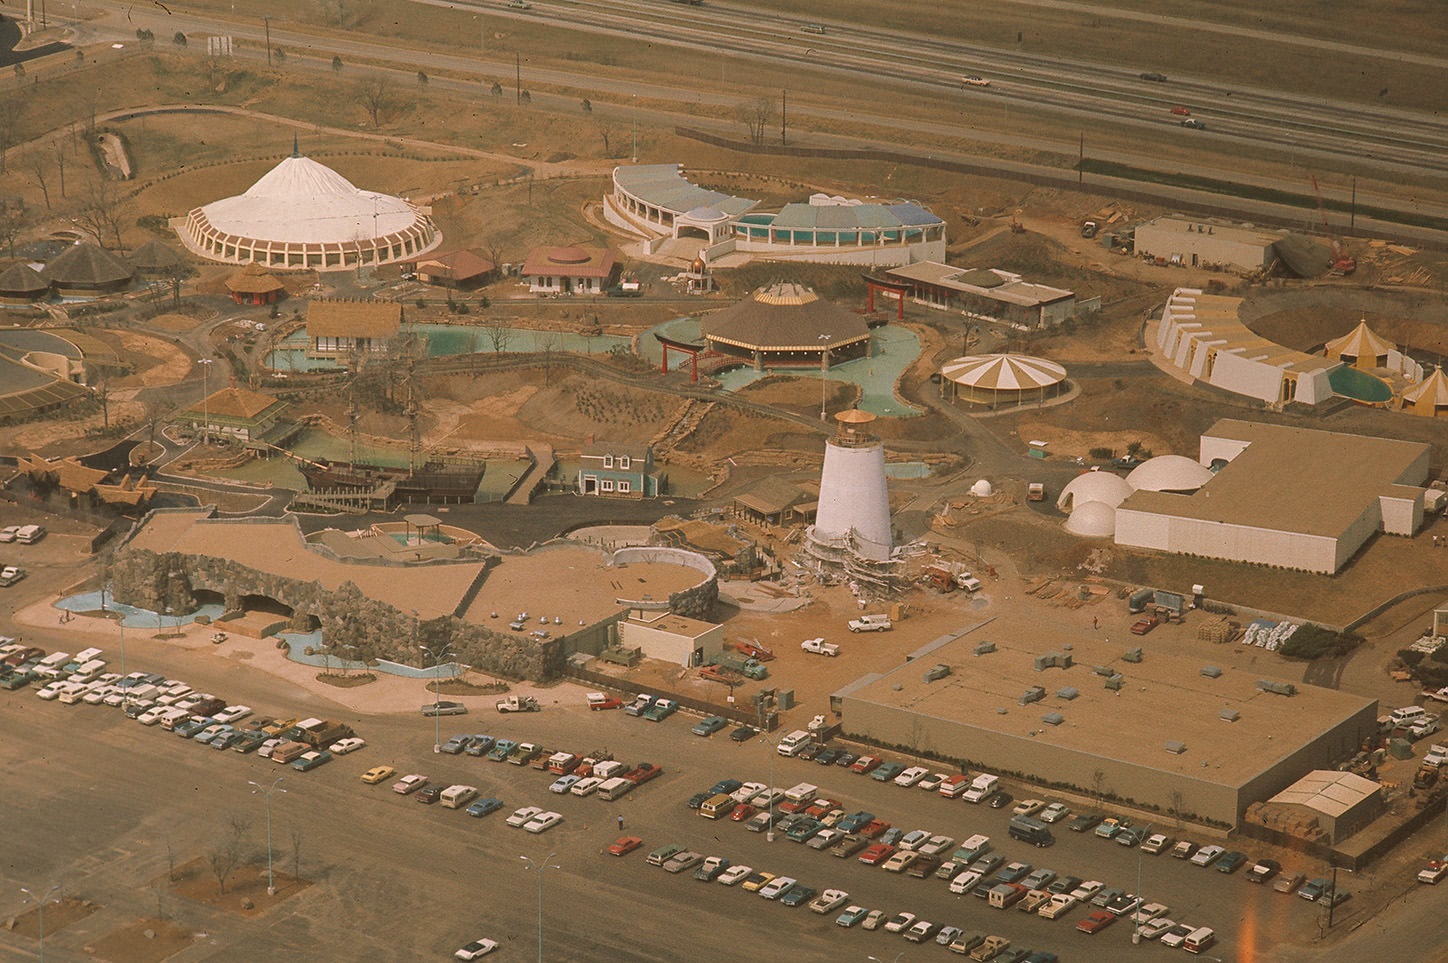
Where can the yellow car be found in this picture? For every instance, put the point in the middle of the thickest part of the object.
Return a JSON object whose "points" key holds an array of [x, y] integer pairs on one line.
{"points": [[378, 773], [754, 881]]}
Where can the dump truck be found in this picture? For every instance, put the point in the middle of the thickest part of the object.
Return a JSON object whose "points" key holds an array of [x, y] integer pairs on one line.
{"points": [[748, 667], [515, 703], [320, 733]]}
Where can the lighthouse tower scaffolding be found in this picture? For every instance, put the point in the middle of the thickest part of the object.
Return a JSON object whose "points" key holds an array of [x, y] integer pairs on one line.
{"points": [[851, 535]]}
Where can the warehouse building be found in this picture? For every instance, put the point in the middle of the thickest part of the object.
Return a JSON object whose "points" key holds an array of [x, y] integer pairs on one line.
{"points": [[1295, 498], [1195, 242], [1168, 732]]}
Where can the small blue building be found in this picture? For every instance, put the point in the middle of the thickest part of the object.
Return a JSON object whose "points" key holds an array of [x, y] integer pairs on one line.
{"points": [[617, 469]]}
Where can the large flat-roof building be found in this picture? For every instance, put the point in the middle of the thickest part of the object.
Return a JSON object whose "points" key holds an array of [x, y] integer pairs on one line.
{"points": [[987, 293], [1163, 734], [1208, 243], [1297, 498]]}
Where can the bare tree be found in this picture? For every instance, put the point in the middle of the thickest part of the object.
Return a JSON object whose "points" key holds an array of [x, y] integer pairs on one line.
{"points": [[375, 94], [606, 132], [58, 151], [35, 165], [296, 852], [337, 64], [11, 110], [757, 115], [496, 90], [549, 344], [12, 222], [223, 860], [498, 334], [421, 78], [102, 211], [1098, 785]]}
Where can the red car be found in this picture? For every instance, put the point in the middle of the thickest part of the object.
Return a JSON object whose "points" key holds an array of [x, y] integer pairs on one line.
{"points": [[742, 812], [643, 773], [1143, 626], [429, 795], [1098, 920], [874, 828], [625, 845], [877, 854], [790, 806], [754, 650], [864, 764], [1181, 111], [821, 807]]}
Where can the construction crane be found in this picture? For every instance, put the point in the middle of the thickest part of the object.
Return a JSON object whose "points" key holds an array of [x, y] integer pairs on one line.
{"points": [[1342, 263]]}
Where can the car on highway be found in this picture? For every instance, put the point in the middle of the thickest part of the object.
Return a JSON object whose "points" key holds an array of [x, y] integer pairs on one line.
{"points": [[484, 807], [1154, 77], [444, 709], [709, 725], [475, 950], [543, 822], [734, 874], [521, 816], [1194, 124], [1095, 922]]}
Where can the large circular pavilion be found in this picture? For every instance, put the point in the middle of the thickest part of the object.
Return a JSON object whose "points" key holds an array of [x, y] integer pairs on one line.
{"points": [[302, 215], [996, 380], [788, 325]]}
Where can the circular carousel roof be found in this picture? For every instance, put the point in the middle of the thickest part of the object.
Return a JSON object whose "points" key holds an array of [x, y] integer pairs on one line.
{"points": [[1004, 372], [786, 317]]}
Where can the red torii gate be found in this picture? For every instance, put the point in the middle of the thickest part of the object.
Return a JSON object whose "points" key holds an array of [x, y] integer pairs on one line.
{"points": [[692, 350], [884, 285]]}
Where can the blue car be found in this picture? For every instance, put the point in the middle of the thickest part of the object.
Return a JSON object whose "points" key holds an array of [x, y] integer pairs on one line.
{"points": [[308, 761], [887, 772], [709, 726], [484, 806]]}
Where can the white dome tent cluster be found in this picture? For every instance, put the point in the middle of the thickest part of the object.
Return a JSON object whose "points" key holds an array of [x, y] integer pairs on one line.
{"points": [[1092, 497]]}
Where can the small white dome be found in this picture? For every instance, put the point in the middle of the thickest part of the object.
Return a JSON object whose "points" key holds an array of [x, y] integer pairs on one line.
{"points": [[982, 489], [1169, 473], [1094, 486], [1092, 520]]}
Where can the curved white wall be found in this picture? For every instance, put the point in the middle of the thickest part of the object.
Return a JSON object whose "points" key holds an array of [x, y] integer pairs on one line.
{"points": [[853, 498]]}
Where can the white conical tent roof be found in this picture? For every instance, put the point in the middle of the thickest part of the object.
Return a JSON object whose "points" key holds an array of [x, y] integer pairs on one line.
{"points": [[1004, 372], [1360, 342], [303, 202], [1431, 390]]}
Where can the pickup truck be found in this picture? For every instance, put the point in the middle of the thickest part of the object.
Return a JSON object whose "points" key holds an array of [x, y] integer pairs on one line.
{"points": [[871, 623], [1434, 871], [820, 647], [1144, 625], [518, 704]]}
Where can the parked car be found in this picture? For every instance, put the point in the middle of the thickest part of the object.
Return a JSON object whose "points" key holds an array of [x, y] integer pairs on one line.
{"points": [[734, 874], [1313, 889], [1230, 862], [543, 822], [1155, 843], [1184, 849], [521, 816], [710, 868], [1289, 883], [851, 916], [428, 795], [343, 746], [743, 734], [1053, 812], [1083, 822], [444, 709], [475, 949], [484, 807], [709, 725], [1207, 855], [1096, 922]]}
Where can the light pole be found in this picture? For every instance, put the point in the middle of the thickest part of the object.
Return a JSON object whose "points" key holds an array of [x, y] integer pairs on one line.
{"points": [[1136, 913], [256, 787], [635, 100], [824, 371], [206, 364], [436, 694], [773, 745], [546, 864], [49, 897]]}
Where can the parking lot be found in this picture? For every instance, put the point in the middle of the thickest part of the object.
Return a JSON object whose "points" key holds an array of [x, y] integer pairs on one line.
{"points": [[107, 804]]}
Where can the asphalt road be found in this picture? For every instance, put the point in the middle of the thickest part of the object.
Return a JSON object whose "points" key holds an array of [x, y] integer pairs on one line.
{"points": [[101, 799]]}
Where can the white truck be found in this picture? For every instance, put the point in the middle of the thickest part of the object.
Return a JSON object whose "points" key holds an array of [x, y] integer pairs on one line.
{"points": [[871, 623], [820, 647], [981, 787], [518, 704]]}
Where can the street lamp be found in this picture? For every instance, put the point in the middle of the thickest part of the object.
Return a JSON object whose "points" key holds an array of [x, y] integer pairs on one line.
{"points": [[436, 694], [206, 364], [824, 370], [774, 753], [546, 864], [49, 897], [256, 787], [1136, 913]]}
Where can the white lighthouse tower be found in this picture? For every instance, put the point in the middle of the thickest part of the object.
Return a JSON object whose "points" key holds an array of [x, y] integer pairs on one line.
{"points": [[852, 525]]}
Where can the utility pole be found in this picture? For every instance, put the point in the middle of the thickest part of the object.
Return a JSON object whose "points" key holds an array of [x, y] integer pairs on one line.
{"points": [[1081, 158], [518, 77], [783, 111]]}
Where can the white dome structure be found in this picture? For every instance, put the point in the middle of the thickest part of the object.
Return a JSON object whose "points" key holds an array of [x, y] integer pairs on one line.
{"points": [[1093, 486], [1092, 520], [304, 215], [982, 489], [1169, 473]]}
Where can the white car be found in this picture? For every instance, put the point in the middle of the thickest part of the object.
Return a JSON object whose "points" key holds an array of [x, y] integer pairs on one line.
{"points": [[911, 776], [1207, 855], [1054, 812], [1150, 912], [520, 817], [8, 533], [914, 839], [747, 792], [543, 822], [1177, 935], [232, 713], [1154, 928], [1028, 807], [586, 786], [734, 874], [830, 899], [98, 695], [965, 882], [777, 887], [343, 746], [475, 949], [265, 749], [153, 715], [899, 922], [935, 845], [49, 691], [932, 783]]}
